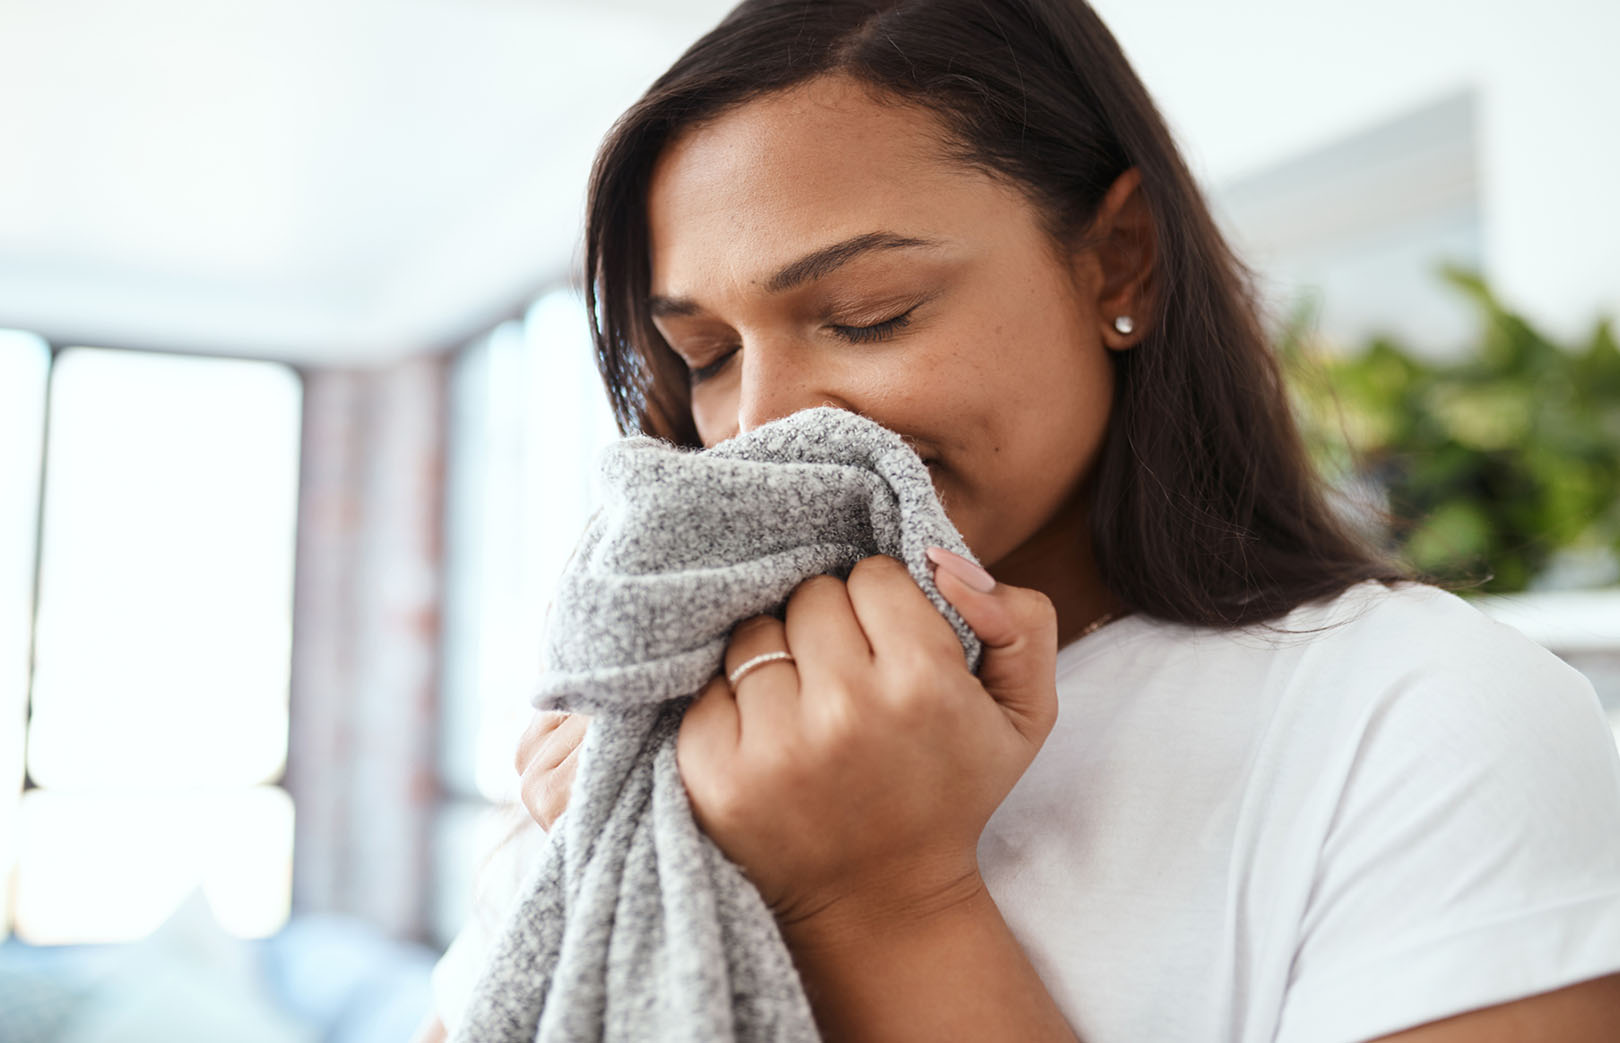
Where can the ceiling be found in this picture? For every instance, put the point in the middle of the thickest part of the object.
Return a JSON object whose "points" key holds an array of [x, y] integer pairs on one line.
{"points": [[343, 182], [350, 182]]}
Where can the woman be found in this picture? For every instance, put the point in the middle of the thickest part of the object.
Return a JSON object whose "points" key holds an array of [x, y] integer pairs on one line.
{"points": [[1225, 772]]}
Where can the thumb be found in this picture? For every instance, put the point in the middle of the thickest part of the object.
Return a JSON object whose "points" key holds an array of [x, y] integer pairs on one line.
{"points": [[1018, 628]]}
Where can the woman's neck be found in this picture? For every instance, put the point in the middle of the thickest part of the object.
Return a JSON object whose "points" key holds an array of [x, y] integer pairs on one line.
{"points": [[1057, 561]]}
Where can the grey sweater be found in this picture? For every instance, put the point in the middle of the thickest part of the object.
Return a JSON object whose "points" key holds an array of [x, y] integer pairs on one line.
{"points": [[634, 926]]}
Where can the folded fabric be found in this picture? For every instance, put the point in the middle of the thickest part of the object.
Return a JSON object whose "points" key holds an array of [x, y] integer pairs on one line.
{"points": [[634, 926]]}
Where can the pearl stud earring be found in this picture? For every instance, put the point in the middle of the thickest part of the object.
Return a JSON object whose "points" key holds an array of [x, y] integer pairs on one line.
{"points": [[1124, 324]]}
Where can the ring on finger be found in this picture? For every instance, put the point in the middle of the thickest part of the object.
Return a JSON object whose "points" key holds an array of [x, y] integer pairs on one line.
{"points": [[758, 661]]}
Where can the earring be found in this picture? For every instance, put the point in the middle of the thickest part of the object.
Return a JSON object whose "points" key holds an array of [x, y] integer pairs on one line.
{"points": [[1124, 324]]}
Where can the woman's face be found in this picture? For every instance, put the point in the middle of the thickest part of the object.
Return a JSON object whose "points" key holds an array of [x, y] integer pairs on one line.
{"points": [[815, 247]]}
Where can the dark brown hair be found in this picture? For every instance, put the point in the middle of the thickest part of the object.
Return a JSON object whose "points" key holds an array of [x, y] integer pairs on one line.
{"points": [[1205, 506]]}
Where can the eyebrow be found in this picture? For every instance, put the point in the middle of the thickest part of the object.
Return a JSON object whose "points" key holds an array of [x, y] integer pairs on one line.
{"points": [[808, 268]]}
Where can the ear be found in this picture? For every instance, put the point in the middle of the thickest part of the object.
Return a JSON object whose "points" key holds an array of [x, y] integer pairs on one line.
{"points": [[1123, 244]]}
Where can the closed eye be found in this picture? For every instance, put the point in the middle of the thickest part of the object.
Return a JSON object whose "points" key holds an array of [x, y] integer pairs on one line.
{"points": [[853, 334], [703, 373], [877, 331]]}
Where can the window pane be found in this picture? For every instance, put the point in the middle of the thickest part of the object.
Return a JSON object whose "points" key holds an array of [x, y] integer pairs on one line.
{"points": [[528, 419], [107, 867], [165, 601], [24, 362]]}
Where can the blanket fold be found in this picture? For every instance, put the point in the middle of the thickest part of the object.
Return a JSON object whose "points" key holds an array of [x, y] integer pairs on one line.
{"points": [[634, 926]]}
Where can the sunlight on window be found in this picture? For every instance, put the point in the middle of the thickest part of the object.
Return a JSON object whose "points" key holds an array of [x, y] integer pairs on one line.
{"points": [[165, 601], [530, 418], [106, 867], [24, 362], [162, 648]]}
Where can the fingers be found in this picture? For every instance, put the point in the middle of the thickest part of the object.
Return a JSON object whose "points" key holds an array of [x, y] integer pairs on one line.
{"points": [[710, 729], [768, 694], [828, 643], [549, 737], [540, 725], [547, 757], [896, 616], [1003, 615], [1018, 627], [545, 793]]}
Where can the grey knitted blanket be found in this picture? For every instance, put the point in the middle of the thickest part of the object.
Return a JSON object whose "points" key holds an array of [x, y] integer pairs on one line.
{"points": [[634, 926]]}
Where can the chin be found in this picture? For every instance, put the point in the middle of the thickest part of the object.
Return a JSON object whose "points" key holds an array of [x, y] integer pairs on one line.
{"points": [[944, 489]]}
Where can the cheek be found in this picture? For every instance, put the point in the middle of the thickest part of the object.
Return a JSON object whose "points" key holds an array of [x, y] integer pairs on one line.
{"points": [[710, 432], [1061, 414], [1026, 442], [714, 409], [1028, 388]]}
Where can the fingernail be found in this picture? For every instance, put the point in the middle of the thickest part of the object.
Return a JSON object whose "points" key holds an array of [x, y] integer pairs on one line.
{"points": [[962, 569]]}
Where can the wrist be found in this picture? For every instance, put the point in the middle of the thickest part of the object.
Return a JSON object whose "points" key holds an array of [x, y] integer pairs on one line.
{"points": [[938, 963], [886, 912]]}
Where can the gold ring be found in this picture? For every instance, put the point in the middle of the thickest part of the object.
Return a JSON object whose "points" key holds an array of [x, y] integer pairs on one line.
{"points": [[759, 660]]}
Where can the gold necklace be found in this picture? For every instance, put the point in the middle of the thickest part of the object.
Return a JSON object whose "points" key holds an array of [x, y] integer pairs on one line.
{"points": [[1096, 624]]}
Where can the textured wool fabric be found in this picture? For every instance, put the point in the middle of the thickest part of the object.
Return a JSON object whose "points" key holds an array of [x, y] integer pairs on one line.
{"points": [[634, 926]]}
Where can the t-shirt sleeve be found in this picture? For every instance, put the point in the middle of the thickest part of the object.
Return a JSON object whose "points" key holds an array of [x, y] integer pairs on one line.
{"points": [[1473, 857], [496, 890], [457, 971]]}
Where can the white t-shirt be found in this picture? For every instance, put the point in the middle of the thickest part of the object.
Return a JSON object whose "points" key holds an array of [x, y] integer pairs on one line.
{"points": [[1407, 812]]}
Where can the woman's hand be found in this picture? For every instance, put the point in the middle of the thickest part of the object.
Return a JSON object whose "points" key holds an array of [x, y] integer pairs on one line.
{"points": [[852, 784], [547, 756]]}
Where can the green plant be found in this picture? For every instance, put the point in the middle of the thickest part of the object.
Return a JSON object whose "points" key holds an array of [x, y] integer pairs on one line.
{"points": [[1489, 465]]}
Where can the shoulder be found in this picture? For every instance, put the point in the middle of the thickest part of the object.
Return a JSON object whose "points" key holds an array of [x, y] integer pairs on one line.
{"points": [[512, 845], [1412, 635], [1406, 683], [1469, 808], [1412, 673], [1415, 618], [1370, 639]]}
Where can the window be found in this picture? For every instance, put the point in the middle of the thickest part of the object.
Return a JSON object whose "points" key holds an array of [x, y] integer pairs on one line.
{"points": [[528, 418], [156, 719], [24, 362]]}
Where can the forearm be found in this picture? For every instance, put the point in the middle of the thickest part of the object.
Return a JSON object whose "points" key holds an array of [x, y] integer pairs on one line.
{"points": [[954, 971]]}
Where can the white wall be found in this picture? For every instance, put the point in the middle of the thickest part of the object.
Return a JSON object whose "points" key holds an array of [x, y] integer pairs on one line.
{"points": [[1247, 84]]}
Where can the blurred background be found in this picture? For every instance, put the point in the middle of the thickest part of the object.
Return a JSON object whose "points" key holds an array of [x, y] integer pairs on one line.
{"points": [[297, 414]]}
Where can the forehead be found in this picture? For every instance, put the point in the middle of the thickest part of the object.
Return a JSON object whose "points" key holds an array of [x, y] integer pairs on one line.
{"points": [[798, 169]]}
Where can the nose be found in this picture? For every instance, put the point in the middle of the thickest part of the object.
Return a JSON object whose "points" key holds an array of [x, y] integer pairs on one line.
{"points": [[778, 379]]}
